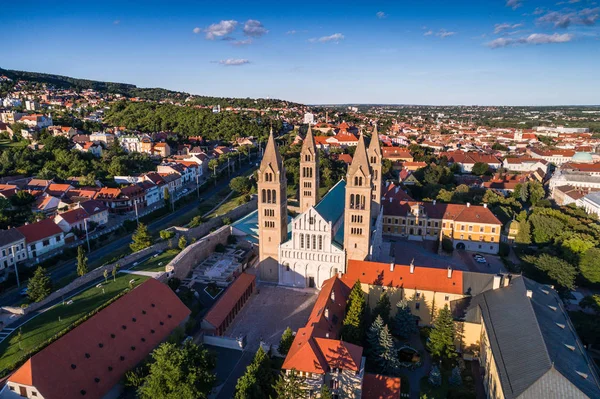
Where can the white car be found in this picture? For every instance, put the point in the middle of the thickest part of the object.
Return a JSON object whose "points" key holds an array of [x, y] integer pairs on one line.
{"points": [[480, 259]]}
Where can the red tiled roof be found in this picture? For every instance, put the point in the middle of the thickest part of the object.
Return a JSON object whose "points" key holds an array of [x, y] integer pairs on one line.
{"points": [[423, 278], [106, 192], [220, 310], [75, 215], [39, 230], [439, 210], [72, 363], [377, 386]]}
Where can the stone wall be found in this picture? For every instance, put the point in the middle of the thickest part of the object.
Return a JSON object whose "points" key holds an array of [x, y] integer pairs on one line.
{"points": [[217, 221], [195, 253], [92, 275]]}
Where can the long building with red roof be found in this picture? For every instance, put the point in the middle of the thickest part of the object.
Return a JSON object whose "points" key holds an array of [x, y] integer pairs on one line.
{"points": [[90, 360]]}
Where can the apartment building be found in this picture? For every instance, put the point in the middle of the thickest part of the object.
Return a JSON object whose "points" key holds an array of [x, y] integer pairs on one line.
{"points": [[12, 250]]}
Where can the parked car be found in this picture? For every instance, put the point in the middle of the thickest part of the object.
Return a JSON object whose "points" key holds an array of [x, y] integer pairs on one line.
{"points": [[23, 291], [480, 259]]}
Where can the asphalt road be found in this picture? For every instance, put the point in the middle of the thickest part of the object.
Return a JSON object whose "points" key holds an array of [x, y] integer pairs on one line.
{"points": [[12, 297]]}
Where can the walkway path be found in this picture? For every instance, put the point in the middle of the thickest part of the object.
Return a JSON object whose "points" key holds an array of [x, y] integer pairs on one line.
{"points": [[142, 273], [414, 376]]}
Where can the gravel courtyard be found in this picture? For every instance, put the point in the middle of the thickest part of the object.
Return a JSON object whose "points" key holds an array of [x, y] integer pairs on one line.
{"points": [[270, 311]]}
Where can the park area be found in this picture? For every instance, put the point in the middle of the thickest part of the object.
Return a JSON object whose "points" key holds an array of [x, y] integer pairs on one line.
{"points": [[45, 327], [157, 263]]}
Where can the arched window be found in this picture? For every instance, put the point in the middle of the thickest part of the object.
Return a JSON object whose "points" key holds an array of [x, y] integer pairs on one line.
{"points": [[268, 196], [274, 197], [320, 242], [314, 241], [264, 196], [301, 240], [351, 200]]}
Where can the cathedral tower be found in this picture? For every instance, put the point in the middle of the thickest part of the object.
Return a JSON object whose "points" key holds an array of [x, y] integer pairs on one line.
{"points": [[309, 172], [272, 210], [375, 160], [357, 213]]}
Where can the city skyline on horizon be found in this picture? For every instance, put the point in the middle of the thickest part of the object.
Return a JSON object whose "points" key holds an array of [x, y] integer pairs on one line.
{"points": [[500, 53]]}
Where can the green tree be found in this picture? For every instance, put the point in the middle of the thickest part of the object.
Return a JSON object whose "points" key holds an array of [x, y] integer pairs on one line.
{"points": [[383, 307], [141, 238], [325, 392], [591, 301], [562, 272], [184, 372], [241, 185], [82, 267], [455, 378], [105, 274], [536, 192], [374, 349], [213, 164], [589, 265], [480, 168], [166, 234], [257, 381], [405, 323], [39, 286], [435, 376], [182, 243], [352, 327], [285, 343], [524, 234], [290, 386], [387, 361], [115, 270], [167, 196], [441, 337]]}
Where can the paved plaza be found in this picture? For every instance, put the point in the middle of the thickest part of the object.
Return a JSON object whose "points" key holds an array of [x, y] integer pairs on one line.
{"points": [[269, 311]]}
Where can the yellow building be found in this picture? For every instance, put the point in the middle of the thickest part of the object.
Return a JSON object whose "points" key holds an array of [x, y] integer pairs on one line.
{"points": [[470, 227]]}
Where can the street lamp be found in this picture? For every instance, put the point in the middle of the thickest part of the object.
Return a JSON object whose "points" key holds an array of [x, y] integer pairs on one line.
{"points": [[87, 236], [12, 247]]}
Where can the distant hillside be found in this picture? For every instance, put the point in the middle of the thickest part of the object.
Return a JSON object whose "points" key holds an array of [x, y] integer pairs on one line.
{"points": [[130, 90]]}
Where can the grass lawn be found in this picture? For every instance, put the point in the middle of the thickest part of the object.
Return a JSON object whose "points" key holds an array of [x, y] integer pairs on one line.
{"points": [[157, 264], [229, 205], [49, 323], [6, 143]]}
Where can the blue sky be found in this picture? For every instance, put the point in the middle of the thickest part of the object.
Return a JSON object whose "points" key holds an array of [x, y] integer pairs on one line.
{"points": [[503, 52]]}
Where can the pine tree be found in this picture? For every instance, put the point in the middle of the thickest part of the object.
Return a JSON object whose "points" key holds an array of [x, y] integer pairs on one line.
{"points": [[257, 381], [405, 323], [82, 268], [285, 343], [455, 378], [141, 238], [383, 308], [39, 286], [115, 269], [441, 337], [105, 275], [435, 376], [325, 392], [290, 386], [387, 361], [352, 329], [373, 349]]}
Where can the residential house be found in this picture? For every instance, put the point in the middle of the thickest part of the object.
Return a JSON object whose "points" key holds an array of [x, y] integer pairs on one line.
{"points": [[172, 180], [42, 237], [96, 210], [12, 251], [37, 121], [466, 160], [91, 147], [122, 200], [557, 157], [92, 359], [58, 190], [76, 219], [38, 185], [397, 154], [64, 131], [107, 139], [152, 192], [161, 149], [47, 204], [130, 143], [525, 164]]}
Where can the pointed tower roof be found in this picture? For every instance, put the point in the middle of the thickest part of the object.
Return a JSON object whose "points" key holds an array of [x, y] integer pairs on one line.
{"points": [[360, 159], [309, 142], [375, 145], [271, 156]]}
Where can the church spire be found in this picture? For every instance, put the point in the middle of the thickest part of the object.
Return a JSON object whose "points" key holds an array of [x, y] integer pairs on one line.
{"points": [[360, 160], [375, 162], [309, 172], [271, 156]]}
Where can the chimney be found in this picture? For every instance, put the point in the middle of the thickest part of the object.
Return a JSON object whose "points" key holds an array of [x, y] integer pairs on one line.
{"points": [[412, 266], [497, 280], [392, 266], [468, 204], [396, 190], [529, 293], [449, 272], [485, 205]]}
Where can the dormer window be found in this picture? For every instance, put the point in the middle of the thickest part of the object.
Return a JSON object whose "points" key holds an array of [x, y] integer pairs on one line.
{"points": [[332, 295], [327, 313]]}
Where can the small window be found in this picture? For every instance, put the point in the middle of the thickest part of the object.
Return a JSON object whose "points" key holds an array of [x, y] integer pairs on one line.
{"points": [[83, 392], [110, 368], [447, 298], [162, 323], [101, 345], [417, 305], [112, 335], [97, 379], [143, 312], [73, 366], [33, 393], [122, 358], [169, 316], [153, 305], [132, 348], [124, 327], [143, 339], [152, 331], [133, 319], [87, 355]]}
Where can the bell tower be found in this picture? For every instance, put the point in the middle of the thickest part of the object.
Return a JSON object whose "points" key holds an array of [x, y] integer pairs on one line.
{"points": [[272, 211], [357, 212], [375, 160], [309, 172]]}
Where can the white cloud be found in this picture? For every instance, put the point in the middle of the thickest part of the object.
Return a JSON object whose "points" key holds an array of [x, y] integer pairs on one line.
{"points": [[242, 42], [381, 15], [587, 16], [534, 38], [499, 28], [291, 32], [197, 30], [336, 37], [234, 62], [444, 34], [220, 30], [254, 28], [428, 33], [514, 4], [116, 21]]}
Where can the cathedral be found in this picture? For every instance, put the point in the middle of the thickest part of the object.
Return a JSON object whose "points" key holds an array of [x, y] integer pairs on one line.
{"points": [[317, 243]]}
